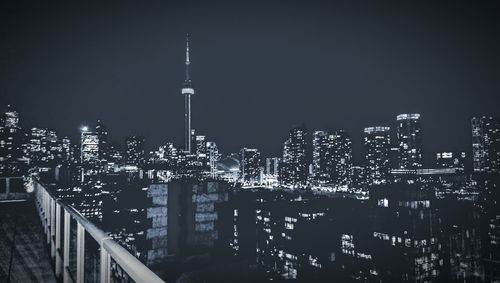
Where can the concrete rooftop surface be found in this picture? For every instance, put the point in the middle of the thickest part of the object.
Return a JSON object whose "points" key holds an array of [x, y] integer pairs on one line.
{"points": [[23, 250]]}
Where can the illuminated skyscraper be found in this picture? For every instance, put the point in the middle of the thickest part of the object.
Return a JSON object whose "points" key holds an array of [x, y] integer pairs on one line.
{"points": [[12, 144], [187, 91], [320, 144], [199, 146], [339, 158], [272, 166], [115, 153], [409, 141], [89, 155], [67, 151], [377, 153], [102, 134], [485, 144], [451, 159], [213, 157], [250, 166], [294, 166], [11, 118], [89, 147], [134, 150], [45, 150], [332, 158]]}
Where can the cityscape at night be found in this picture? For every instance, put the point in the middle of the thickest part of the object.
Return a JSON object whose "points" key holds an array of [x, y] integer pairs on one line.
{"points": [[311, 185]]}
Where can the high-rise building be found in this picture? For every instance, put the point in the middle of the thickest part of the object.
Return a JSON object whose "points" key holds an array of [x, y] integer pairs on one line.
{"points": [[377, 154], [11, 118], [134, 152], [358, 177], [45, 150], [320, 147], [67, 150], [272, 166], [89, 147], [213, 157], [486, 144], [89, 156], [250, 171], [115, 153], [332, 158], [13, 148], [451, 159], [409, 134], [294, 165], [199, 146], [339, 158], [102, 134], [187, 91], [166, 154]]}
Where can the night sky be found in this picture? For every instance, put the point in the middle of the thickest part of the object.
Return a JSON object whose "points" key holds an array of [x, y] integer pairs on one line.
{"points": [[257, 67]]}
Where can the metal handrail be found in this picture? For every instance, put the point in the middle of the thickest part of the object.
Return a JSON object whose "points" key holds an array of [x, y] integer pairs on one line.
{"points": [[49, 209]]}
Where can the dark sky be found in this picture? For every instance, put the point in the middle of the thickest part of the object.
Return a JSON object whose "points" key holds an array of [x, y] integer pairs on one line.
{"points": [[258, 67]]}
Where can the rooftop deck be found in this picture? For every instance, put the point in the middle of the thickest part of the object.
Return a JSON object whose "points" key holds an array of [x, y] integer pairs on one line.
{"points": [[24, 256]]}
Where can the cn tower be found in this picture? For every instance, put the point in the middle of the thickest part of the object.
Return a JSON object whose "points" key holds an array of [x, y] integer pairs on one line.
{"points": [[187, 91]]}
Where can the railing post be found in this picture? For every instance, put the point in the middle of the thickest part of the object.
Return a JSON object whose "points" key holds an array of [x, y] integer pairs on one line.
{"points": [[58, 241], [67, 227], [53, 228], [80, 253], [105, 270], [44, 214], [47, 217]]}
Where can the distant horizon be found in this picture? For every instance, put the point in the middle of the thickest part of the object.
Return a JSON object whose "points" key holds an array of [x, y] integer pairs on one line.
{"points": [[358, 153]]}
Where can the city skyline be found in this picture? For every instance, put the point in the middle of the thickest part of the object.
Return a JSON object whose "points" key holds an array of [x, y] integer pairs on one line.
{"points": [[283, 141], [257, 74]]}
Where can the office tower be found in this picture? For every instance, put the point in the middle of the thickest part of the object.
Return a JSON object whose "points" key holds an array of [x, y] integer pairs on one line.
{"points": [[272, 166], [12, 145], [377, 154], [199, 146], [358, 177], [319, 143], [166, 154], [486, 144], [36, 141], [294, 167], [339, 159], [134, 150], [409, 134], [67, 151], [213, 157], [451, 159], [187, 91], [332, 158], [102, 134], [46, 153], [89, 147], [115, 153], [11, 118], [250, 166], [53, 148]]}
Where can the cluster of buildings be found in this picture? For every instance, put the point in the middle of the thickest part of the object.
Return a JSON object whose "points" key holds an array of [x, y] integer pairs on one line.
{"points": [[322, 160], [389, 156], [394, 236]]}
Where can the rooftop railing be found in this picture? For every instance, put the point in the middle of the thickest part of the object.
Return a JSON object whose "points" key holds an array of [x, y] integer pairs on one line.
{"points": [[57, 218]]}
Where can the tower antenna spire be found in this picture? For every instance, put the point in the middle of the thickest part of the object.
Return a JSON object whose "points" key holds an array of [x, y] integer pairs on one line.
{"points": [[188, 79]]}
